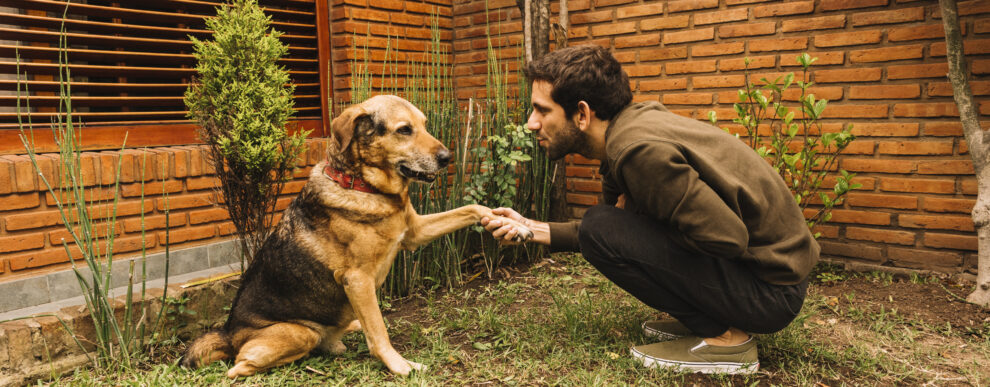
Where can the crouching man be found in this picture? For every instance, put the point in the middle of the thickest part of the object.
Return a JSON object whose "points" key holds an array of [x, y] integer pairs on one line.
{"points": [[695, 223]]}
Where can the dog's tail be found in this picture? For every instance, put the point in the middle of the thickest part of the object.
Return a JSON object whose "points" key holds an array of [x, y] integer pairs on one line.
{"points": [[208, 348]]}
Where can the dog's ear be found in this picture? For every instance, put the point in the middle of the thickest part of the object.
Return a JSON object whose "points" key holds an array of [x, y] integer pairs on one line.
{"points": [[343, 126]]}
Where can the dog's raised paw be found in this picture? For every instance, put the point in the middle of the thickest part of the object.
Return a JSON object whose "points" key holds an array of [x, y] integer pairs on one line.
{"points": [[523, 234]]}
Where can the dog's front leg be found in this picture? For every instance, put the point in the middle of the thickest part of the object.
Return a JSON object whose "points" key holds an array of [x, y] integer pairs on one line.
{"points": [[360, 290], [424, 229]]}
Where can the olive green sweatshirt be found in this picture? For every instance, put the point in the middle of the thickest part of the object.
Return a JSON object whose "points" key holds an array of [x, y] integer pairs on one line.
{"points": [[725, 200]]}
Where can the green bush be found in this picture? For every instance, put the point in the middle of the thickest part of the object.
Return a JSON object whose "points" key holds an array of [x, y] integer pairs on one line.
{"points": [[797, 147], [242, 99]]}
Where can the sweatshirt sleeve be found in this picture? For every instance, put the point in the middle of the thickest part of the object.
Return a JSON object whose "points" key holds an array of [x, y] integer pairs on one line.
{"points": [[564, 236], [663, 184]]}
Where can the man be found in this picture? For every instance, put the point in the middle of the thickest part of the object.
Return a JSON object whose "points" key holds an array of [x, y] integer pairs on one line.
{"points": [[695, 223]]}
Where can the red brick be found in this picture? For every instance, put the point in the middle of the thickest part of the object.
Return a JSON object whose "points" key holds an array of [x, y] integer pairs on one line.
{"points": [[891, 184], [227, 228], [944, 89], [395, 5], [886, 54], [943, 129], [855, 111], [933, 204], [689, 35], [6, 176], [938, 109], [885, 92], [584, 185], [827, 93], [22, 242], [926, 148], [687, 99], [42, 258], [971, 7], [756, 62], [716, 81], [583, 200], [878, 165], [941, 222], [784, 9], [643, 70], [664, 23], [613, 29], [951, 241], [931, 31], [716, 17], [904, 15], [854, 250], [970, 47], [663, 84], [901, 202], [931, 70], [187, 234], [199, 183], [848, 38], [24, 174], [923, 259], [133, 224], [848, 75], [835, 5], [748, 29], [690, 5], [826, 231], [151, 189], [33, 219], [99, 230], [968, 186], [778, 44], [860, 147], [718, 49], [585, 172], [649, 9], [812, 24], [738, 2], [886, 129], [701, 66], [981, 26], [945, 167], [19, 201], [599, 3], [860, 217], [640, 40], [881, 236], [210, 215], [186, 201], [663, 53]]}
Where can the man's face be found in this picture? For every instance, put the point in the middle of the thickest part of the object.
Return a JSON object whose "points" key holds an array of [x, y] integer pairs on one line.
{"points": [[549, 124]]}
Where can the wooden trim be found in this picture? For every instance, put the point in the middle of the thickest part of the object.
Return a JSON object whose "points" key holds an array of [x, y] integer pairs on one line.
{"points": [[111, 137], [324, 68]]}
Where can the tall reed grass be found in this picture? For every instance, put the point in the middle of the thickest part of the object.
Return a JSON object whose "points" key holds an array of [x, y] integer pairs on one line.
{"points": [[465, 129], [118, 340]]}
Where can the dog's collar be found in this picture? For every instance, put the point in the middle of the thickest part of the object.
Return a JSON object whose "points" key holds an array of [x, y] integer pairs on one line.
{"points": [[348, 181]]}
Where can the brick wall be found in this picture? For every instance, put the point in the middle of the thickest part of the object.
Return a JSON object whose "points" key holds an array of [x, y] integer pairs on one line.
{"points": [[881, 64], [32, 232]]}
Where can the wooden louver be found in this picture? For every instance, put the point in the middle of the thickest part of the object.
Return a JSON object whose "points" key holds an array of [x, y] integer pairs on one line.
{"points": [[132, 60]]}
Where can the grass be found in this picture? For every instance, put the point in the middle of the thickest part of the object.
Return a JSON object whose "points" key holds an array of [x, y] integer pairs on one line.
{"points": [[559, 322]]}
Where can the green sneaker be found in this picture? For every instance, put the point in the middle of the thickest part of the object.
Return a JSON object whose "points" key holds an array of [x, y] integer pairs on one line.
{"points": [[665, 330], [692, 354]]}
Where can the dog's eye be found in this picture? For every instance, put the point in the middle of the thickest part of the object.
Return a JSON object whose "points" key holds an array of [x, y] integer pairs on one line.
{"points": [[405, 130]]}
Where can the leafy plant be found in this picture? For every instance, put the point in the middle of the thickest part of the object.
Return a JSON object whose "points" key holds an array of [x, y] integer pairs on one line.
{"points": [[797, 147], [495, 184], [241, 101]]}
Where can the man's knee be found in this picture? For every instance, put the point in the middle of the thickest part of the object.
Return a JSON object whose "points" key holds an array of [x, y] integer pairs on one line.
{"points": [[598, 226]]}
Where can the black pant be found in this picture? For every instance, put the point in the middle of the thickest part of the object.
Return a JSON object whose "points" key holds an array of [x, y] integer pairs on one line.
{"points": [[707, 294]]}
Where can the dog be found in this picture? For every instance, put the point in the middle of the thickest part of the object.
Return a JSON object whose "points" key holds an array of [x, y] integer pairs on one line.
{"points": [[314, 278]]}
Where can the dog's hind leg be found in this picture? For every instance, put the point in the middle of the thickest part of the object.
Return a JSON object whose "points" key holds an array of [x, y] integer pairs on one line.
{"points": [[273, 346], [331, 338]]}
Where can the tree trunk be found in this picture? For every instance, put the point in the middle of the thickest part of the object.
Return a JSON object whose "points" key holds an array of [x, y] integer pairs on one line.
{"points": [[976, 139]]}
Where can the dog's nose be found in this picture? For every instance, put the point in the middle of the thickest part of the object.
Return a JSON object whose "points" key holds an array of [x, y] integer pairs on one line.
{"points": [[443, 158]]}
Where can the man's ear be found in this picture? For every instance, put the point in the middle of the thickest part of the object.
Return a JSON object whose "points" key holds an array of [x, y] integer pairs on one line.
{"points": [[343, 126], [583, 115]]}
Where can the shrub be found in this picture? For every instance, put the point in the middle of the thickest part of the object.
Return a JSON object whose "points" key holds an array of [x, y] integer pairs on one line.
{"points": [[797, 147], [242, 103]]}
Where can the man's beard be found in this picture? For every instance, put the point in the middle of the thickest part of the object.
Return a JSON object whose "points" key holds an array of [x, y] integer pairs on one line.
{"points": [[569, 140]]}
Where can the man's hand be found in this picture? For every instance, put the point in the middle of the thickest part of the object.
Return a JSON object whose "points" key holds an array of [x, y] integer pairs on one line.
{"points": [[621, 201], [505, 233]]}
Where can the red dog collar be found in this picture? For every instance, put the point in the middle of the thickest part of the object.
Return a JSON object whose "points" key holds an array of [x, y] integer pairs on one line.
{"points": [[348, 181]]}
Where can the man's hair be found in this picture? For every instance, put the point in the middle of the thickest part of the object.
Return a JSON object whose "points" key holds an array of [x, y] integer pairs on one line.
{"points": [[583, 73]]}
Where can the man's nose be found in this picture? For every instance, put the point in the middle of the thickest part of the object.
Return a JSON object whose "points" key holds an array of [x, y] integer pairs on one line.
{"points": [[443, 157], [532, 123]]}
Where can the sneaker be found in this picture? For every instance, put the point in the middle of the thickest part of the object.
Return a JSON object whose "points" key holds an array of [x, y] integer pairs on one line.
{"points": [[693, 354], [665, 330]]}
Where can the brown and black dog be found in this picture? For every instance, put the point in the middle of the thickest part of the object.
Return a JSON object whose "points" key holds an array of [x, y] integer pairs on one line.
{"points": [[315, 277]]}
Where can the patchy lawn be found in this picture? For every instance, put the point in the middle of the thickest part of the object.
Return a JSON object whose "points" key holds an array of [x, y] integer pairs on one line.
{"points": [[559, 322]]}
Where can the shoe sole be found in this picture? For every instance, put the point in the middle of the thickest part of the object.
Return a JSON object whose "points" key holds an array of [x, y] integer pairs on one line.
{"points": [[659, 335], [731, 368]]}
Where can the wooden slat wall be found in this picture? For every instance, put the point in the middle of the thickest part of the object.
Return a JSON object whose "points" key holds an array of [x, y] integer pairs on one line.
{"points": [[131, 62]]}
